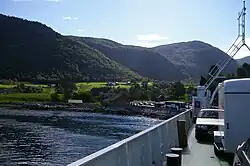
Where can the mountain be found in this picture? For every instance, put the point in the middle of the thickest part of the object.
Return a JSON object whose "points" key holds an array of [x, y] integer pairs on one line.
{"points": [[194, 58], [141, 60], [32, 51], [176, 61], [243, 60]]}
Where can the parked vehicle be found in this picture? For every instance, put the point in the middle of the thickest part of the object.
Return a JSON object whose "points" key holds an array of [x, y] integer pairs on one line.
{"points": [[176, 104], [207, 122], [236, 104]]}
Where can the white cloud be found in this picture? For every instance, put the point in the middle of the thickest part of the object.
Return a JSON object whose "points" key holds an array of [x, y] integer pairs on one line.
{"points": [[147, 44], [70, 18], [150, 40], [150, 37], [80, 30]]}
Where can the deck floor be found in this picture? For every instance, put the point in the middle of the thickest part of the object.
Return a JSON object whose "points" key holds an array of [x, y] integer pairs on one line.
{"points": [[200, 154]]}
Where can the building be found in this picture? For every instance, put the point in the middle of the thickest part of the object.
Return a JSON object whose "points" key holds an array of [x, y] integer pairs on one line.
{"points": [[111, 84], [145, 84], [72, 101]]}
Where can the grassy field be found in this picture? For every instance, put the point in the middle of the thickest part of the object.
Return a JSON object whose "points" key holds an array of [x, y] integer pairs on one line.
{"points": [[87, 86], [24, 97], [46, 91], [38, 85], [45, 95], [6, 86]]}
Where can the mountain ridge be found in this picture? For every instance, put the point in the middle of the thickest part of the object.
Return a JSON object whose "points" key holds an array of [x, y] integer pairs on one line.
{"points": [[31, 49], [195, 57], [143, 61], [243, 60]]}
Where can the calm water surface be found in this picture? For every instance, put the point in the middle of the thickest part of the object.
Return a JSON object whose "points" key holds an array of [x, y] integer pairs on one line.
{"points": [[60, 137]]}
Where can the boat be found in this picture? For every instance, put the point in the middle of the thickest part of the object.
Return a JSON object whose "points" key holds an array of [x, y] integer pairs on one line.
{"points": [[154, 146]]}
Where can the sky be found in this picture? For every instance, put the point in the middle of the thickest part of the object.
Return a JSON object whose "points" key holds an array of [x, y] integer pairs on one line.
{"points": [[138, 22]]}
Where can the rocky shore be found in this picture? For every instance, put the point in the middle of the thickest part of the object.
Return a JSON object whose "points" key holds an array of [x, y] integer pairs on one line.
{"points": [[128, 110]]}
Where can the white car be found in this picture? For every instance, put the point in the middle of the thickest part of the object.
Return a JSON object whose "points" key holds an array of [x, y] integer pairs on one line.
{"points": [[208, 121]]}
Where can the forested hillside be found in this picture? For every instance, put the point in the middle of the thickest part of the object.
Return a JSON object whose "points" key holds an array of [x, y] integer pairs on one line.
{"points": [[32, 51]]}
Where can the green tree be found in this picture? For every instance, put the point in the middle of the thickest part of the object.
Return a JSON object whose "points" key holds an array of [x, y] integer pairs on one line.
{"points": [[54, 97], [145, 95], [242, 73], [247, 68], [191, 83], [202, 81], [180, 89], [176, 90], [135, 92], [84, 96], [67, 88], [190, 89], [155, 92], [118, 90], [21, 87], [161, 84], [230, 76]]}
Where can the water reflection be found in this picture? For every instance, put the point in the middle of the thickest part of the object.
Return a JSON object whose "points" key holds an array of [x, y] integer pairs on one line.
{"points": [[60, 137]]}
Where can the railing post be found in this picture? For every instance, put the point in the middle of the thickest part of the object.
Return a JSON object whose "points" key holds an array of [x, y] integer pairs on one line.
{"points": [[179, 152], [172, 159], [182, 134]]}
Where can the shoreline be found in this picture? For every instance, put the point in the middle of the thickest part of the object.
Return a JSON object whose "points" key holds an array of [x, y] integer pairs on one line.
{"points": [[127, 110]]}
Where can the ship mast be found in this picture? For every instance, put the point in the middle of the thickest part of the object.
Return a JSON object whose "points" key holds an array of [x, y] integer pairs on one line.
{"points": [[233, 50]]}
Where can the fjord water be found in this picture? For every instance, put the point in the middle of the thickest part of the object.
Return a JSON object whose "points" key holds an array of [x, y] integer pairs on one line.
{"points": [[61, 137]]}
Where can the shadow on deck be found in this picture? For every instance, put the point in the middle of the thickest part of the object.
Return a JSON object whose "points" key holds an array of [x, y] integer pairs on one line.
{"points": [[201, 153]]}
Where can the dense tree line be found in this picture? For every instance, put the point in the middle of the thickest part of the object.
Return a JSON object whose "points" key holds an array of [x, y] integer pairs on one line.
{"points": [[243, 71], [171, 91]]}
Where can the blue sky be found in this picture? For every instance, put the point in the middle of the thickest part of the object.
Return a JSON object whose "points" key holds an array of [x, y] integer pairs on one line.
{"points": [[138, 22]]}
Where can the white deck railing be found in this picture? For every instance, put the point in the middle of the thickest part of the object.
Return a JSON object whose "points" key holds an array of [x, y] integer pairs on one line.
{"points": [[146, 148]]}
